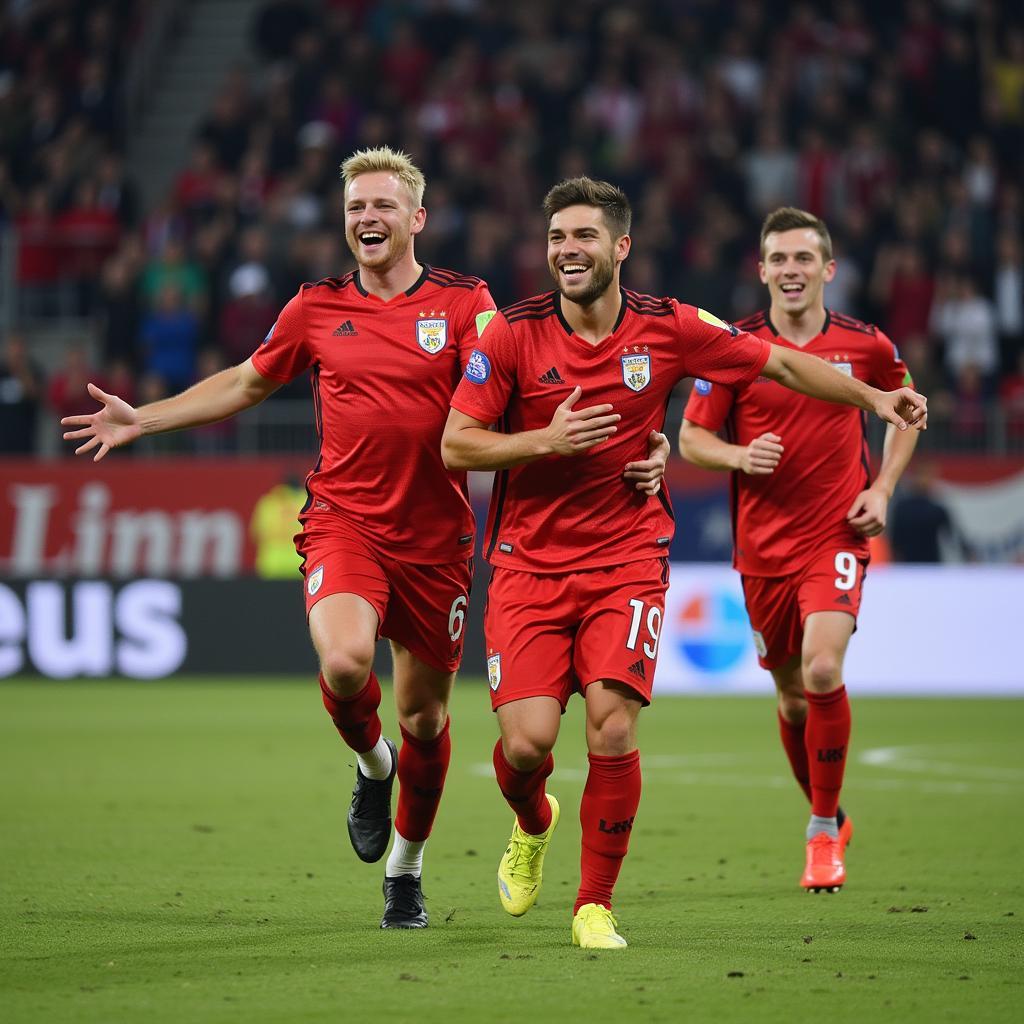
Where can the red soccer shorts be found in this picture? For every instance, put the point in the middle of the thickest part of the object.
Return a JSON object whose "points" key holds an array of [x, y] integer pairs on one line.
{"points": [[548, 635], [421, 607], [778, 606]]}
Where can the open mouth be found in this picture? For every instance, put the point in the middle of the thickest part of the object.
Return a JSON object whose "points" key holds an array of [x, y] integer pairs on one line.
{"points": [[792, 289], [572, 270], [371, 239]]}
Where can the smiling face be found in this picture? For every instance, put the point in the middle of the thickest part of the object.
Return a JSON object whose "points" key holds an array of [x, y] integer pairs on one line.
{"points": [[582, 255], [795, 270], [380, 220]]}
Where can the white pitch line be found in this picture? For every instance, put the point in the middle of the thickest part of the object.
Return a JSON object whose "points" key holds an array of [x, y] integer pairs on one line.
{"points": [[908, 759]]}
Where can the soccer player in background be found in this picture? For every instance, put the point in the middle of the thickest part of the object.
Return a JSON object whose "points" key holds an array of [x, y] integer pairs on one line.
{"points": [[387, 532], [576, 378], [804, 506]]}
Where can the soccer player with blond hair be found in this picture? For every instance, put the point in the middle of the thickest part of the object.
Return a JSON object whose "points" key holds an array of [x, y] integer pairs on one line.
{"points": [[577, 378], [804, 507]]}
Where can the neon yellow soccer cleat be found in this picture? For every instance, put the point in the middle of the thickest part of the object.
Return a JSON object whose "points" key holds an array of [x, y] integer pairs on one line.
{"points": [[594, 926], [521, 868]]}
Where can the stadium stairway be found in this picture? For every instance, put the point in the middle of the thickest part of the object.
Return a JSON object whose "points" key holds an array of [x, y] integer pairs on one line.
{"points": [[214, 37]]}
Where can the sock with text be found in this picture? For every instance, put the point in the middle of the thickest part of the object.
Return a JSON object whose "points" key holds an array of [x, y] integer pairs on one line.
{"points": [[610, 801], [828, 736]]}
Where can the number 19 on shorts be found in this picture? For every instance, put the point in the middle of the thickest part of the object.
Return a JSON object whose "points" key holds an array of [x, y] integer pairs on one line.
{"points": [[649, 615]]}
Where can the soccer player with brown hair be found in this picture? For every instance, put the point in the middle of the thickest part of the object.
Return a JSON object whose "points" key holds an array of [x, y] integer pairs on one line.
{"points": [[804, 506], [575, 379]]}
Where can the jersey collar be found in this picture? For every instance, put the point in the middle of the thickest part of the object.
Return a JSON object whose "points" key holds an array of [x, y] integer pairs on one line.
{"points": [[774, 330], [565, 323], [415, 287]]}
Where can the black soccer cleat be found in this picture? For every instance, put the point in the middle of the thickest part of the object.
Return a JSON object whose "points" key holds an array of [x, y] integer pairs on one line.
{"points": [[369, 814], [403, 903]]}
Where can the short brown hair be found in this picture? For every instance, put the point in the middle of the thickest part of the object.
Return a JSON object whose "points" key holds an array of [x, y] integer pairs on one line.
{"points": [[384, 158], [787, 218], [611, 201]]}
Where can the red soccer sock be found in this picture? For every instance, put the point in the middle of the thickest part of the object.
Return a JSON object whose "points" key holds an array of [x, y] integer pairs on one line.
{"points": [[422, 767], [610, 800], [828, 736], [795, 744], [524, 791], [355, 717]]}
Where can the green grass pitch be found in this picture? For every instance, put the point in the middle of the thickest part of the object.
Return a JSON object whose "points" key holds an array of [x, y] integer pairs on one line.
{"points": [[177, 852]]}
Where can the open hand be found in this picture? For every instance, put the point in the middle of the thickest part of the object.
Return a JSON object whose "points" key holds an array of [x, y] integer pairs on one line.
{"points": [[572, 431], [114, 425]]}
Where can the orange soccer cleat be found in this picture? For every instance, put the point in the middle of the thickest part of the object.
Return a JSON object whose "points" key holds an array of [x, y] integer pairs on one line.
{"points": [[845, 833], [825, 871]]}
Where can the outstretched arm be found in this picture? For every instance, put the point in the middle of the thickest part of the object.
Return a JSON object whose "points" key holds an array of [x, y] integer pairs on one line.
{"points": [[812, 376], [216, 398], [468, 444]]}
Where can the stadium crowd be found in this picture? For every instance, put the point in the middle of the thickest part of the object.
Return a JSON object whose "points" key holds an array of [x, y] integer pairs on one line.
{"points": [[901, 124]]}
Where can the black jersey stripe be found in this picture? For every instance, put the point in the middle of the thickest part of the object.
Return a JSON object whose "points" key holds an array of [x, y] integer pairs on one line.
{"points": [[498, 493], [451, 275], [319, 423], [540, 302], [753, 321], [852, 323], [530, 316]]}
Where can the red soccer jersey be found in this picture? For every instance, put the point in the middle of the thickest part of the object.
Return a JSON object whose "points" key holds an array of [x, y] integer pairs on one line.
{"points": [[383, 374], [560, 514], [780, 519]]}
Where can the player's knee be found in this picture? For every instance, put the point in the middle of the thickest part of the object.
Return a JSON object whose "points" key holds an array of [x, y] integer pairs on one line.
{"points": [[524, 752], [346, 667], [614, 736], [424, 722], [822, 672], [793, 707]]}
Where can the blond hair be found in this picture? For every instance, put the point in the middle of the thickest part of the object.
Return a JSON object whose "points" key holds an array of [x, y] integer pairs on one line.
{"points": [[786, 218], [384, 158]]}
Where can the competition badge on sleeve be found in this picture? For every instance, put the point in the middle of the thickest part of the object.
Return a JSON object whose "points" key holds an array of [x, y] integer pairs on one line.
{"points": [[478, 367], [432, 332], [636, 370]]}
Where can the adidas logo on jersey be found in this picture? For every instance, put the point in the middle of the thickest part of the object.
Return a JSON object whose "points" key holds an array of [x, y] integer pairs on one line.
{"points": [[637, 669], [346, 330], [843, 599], [551, 377]]}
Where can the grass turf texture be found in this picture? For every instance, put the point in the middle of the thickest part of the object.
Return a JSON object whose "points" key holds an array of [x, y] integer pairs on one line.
{"points": [[177, 851]]}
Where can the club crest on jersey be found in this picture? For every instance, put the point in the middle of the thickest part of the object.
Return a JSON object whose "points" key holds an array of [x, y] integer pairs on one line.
{"points": [[846, 368], [432, 335], [314, 580], [702, 387], [494, 671], [636, 370]]}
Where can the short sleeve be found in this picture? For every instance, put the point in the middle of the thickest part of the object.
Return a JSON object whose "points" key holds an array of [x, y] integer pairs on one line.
{"points": [[709, 404], [476, 313], [888, 371], [718, 352], [490, 374], [283, 354]]}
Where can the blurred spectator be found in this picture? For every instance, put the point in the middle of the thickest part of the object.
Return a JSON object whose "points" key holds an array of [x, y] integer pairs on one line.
{"points": [[67, 394], [170, 340], [965, 321], [772, 171], [904, 289], [215, 438], [249, 313], [21, 392], [1009, 295], [920, 526], [174, 269]]}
